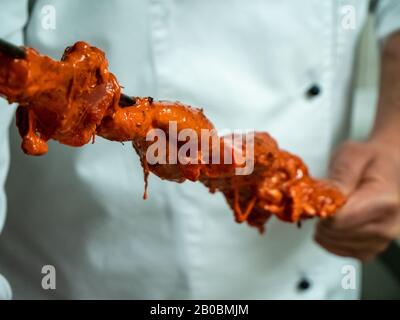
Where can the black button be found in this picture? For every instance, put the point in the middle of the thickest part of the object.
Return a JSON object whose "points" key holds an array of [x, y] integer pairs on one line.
{"points": [[303, 284], [313, 91]]}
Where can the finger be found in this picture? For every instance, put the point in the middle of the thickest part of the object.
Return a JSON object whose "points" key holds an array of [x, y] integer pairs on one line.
{"points": [[348, 164], [361, 250], [362, 233], [363, 207], [333, 247], [366, 240]]}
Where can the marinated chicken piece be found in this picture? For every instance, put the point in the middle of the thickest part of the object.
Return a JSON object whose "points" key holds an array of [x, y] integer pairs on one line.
{"points": [[279, 184], [64, 101], [74, 99]]}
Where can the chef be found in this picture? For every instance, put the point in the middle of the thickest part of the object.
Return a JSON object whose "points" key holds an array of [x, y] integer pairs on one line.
{"points": [[284, 67]]}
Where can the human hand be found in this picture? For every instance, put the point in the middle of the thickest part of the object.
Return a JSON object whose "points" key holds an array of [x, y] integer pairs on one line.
{"points": [[369, 174]]}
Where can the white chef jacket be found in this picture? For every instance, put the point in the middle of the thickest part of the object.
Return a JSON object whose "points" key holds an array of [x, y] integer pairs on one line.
{"points": [[249, 64]]}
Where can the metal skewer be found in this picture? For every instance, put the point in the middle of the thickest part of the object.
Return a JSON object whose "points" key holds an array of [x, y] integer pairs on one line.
{"points": [[126, 101], [12, 50], [17, 52]]}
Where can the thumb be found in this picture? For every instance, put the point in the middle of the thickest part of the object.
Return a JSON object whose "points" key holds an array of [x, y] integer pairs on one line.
{"points": [[348, 164]]}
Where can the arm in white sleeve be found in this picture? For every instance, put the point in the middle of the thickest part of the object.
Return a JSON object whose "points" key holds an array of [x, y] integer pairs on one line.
{"points": [[387, 18], [13, 17]]}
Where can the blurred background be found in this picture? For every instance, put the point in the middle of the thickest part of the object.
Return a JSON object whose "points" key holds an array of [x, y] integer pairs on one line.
{"points": [[381, 278]]}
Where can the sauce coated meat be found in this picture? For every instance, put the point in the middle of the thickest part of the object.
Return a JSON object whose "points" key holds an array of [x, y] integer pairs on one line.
{"points": [[74, 99]]}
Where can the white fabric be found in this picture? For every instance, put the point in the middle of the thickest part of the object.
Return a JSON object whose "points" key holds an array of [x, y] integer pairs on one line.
{"points": [[388, 15], [13, 16], [249, 64]]}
